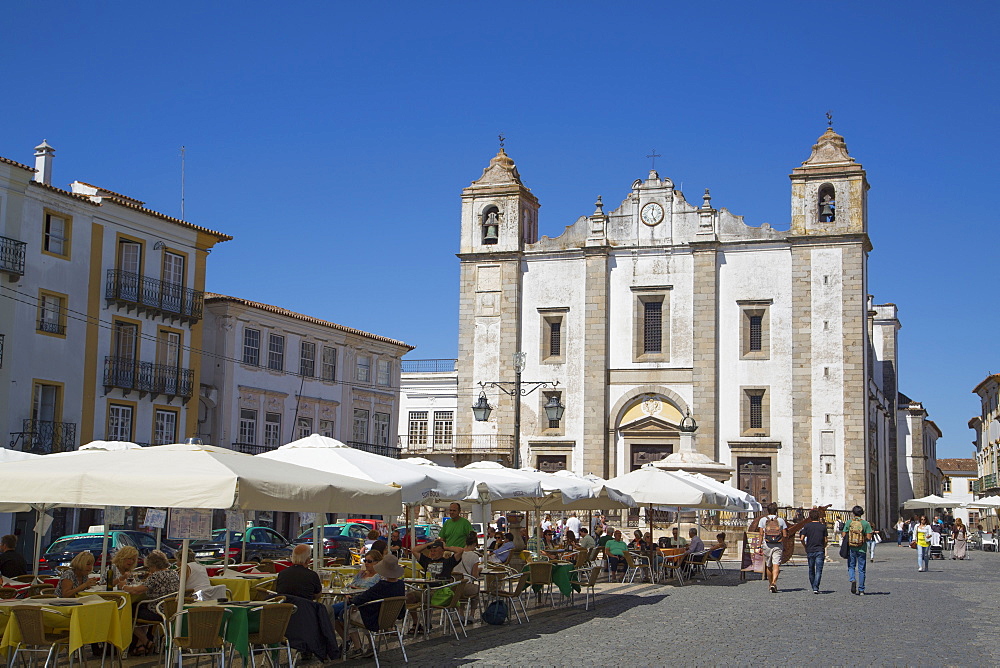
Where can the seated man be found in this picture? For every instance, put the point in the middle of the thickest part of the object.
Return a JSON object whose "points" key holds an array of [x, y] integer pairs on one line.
{"points": [[695, 548], [616, 549], [675, 539], [297, 579], [389, 586], [587, 541]]}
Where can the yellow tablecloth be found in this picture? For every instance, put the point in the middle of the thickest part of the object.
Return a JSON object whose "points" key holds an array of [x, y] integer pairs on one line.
{"points": [[124, 615], [94, 620], [242, 588]]}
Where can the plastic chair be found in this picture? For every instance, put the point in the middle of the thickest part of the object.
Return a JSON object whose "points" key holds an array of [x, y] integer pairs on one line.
{"points": [[205, 634], [274, 618], [388, 623], [516, 595], [587, 577], [716, 556], [540, 573], [34, 637]]}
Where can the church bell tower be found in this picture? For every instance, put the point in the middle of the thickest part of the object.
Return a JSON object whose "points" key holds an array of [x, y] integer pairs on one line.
{"points": [[829, 191], [499, 214]]}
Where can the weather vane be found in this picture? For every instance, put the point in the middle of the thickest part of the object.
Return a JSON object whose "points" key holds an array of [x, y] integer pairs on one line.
{"points": [[829, 119], [501, 138], [654, 155]]}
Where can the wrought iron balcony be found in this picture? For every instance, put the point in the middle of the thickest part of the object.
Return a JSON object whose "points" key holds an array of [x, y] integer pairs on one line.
{"points": [[251, 448], [51, 327], [428, 366], [12, 256], [169, 300], [376, 448], [43, 436], [985, 484], [460, 444], [147, 378]]}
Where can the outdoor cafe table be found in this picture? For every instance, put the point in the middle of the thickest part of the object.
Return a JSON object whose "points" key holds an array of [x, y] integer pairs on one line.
{"points": [[91, 619], [243, 586], [124, 614], [562, 577]]}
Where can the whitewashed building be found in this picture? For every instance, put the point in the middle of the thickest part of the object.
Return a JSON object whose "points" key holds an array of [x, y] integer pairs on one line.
{"points": [[661, 307], [100, 314], [986, 426], [918, 435], [277, 376], [957, 478]]}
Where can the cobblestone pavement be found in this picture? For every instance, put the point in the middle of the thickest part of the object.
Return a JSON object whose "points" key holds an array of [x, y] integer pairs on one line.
{"points": [[722, 621]]}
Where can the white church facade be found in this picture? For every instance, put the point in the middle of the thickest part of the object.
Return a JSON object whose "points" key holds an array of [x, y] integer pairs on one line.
{"points": [[662, 308]]}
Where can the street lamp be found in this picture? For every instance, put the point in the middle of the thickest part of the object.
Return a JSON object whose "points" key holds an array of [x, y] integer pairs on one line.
{"points": [[481, 409]]}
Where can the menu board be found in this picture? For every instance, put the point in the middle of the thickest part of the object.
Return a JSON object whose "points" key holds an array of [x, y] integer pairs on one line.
{"points": [[156, 518], [194, 524]]}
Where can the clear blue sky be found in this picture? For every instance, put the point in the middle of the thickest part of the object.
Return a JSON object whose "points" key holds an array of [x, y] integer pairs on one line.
{"points": [[333, 139]]}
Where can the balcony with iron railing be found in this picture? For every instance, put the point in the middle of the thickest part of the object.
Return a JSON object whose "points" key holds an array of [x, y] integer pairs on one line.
{"points": [[129, 374], [43, 436], [251, 448], [458, 444], [986, 484], [428, 366], [168, 300], [12, 256], [51, 327]]}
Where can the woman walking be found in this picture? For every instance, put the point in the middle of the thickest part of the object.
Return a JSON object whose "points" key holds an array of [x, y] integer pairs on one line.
{"points": [[922, 535], [900, 531], [961, 535]]}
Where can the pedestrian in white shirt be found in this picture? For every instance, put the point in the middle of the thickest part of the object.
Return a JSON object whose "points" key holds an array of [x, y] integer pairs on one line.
{"points": [[573, 524]]}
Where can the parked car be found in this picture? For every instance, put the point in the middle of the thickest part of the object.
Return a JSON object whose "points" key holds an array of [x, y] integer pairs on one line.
{"points": [[63, 549], [378, 525], [337, 539], [480, 530], [425, 533], [262, 543]]}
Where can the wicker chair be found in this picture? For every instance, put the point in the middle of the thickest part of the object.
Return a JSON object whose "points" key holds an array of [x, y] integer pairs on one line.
{"points": [[696, 564], [516, 595], [36, 589], [121, 602], [674, 563], [34, 637], [388, 624], [274, 618], [206, 628], [540, 573], [636, 564], [8, 592], [24, 578], [587, 577]]}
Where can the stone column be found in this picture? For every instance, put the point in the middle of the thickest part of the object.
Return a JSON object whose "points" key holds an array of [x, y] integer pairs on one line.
{"points": [[802, 363], [705, 326], [855, 334], [596, 451]]}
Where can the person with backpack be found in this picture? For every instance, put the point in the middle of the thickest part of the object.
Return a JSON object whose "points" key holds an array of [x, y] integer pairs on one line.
{"points": [[858, 533], [772, 532]]}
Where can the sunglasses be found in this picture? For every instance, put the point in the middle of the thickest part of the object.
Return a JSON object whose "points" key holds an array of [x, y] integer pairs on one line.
{"points": [[369, 561]]}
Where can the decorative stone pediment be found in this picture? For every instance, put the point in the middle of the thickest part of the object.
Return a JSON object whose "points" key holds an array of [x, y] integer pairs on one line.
{"points": [[649, 425], [829, 149], [501, 170]]}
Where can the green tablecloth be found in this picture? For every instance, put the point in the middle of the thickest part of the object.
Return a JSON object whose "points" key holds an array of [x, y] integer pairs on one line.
{"points": [[242, 622], [562, 577]]}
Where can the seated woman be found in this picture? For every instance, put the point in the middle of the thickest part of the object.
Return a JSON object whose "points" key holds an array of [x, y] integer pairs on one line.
{"points": [[638, 542], [372, 537], [720, 545], [78, 577], [160, 582], [197, 575], [468, 567], [389, 586], [366, 578], [123, 567]]}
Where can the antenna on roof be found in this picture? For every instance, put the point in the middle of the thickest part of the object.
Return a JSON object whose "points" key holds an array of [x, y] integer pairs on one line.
{"points": [[183, 151]]}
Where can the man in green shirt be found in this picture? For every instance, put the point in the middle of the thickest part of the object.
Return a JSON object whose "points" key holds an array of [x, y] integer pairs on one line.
{"points": [[456, 529], [615, 549], [858, 533]]}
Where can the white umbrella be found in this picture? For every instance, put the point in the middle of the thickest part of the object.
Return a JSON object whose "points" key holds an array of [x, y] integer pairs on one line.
{"points": [[742, 501], [652, 486], [931, 501], [985, 502], [602, 495]]}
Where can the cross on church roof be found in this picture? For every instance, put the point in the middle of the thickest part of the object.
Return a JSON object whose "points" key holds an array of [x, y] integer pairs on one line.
{"points": [[654, 155]]}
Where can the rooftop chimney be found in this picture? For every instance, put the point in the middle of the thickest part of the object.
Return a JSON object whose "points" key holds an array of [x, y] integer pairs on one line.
{"points": [[43, 163]]}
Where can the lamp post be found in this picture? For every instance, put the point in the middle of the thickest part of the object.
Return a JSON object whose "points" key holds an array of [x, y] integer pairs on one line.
{"points": [[482, 409]]}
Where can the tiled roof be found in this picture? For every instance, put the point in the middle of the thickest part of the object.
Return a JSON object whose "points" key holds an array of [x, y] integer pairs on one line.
{"points": [[111, 192], [215, 297], [17, 164], [77, 196], [957, 464], [156, 214]]}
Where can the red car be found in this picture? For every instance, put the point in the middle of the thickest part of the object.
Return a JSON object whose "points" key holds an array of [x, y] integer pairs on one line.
{"points": [[378, 525]]}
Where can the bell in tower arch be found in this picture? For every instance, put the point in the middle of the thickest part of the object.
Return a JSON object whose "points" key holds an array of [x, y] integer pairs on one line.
{"points": [[827, 204], [491, 225]]}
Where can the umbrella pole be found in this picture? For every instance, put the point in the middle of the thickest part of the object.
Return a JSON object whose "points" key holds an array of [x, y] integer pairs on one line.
{"points": [[225, 553], [183, 584], [104, 542], [317, 560], [38, 537], [159, 537]]}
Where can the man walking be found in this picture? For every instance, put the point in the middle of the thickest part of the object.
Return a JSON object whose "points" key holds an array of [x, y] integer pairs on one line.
{"points": [[772, 532], [813, 536], [859, 532]]}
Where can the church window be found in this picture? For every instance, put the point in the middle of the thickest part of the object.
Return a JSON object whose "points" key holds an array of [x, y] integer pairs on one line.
{"points": [[754, 411], [827, 204], [552, 343], [651, 331], [491, 225], [754, 329]]}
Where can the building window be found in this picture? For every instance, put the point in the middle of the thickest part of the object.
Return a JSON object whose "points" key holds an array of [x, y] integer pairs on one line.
{"points": [[165, 427], [754, 330], [360, 431], [276, 352], [307, 359], [946, 484], [329, 363], [119, 423], [55, 239], [45, 403], [380, 423], [124, 353], [651, 331], [418, 428], [52, 313], [251, 346], [384, 372], [444, 427], [272, 430], [547, 424], [129, 257], [552, 344], [303, 427], [326, 428], [364, 369], [755, 411], [248, 426]]}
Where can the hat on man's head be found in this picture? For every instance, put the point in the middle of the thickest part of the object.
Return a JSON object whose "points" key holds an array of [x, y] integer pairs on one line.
{"points": [[389, 567]]}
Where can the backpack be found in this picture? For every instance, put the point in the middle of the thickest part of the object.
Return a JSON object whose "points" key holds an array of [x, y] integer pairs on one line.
{"points": [[856, 533], [772, 530], [495, 613]]}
